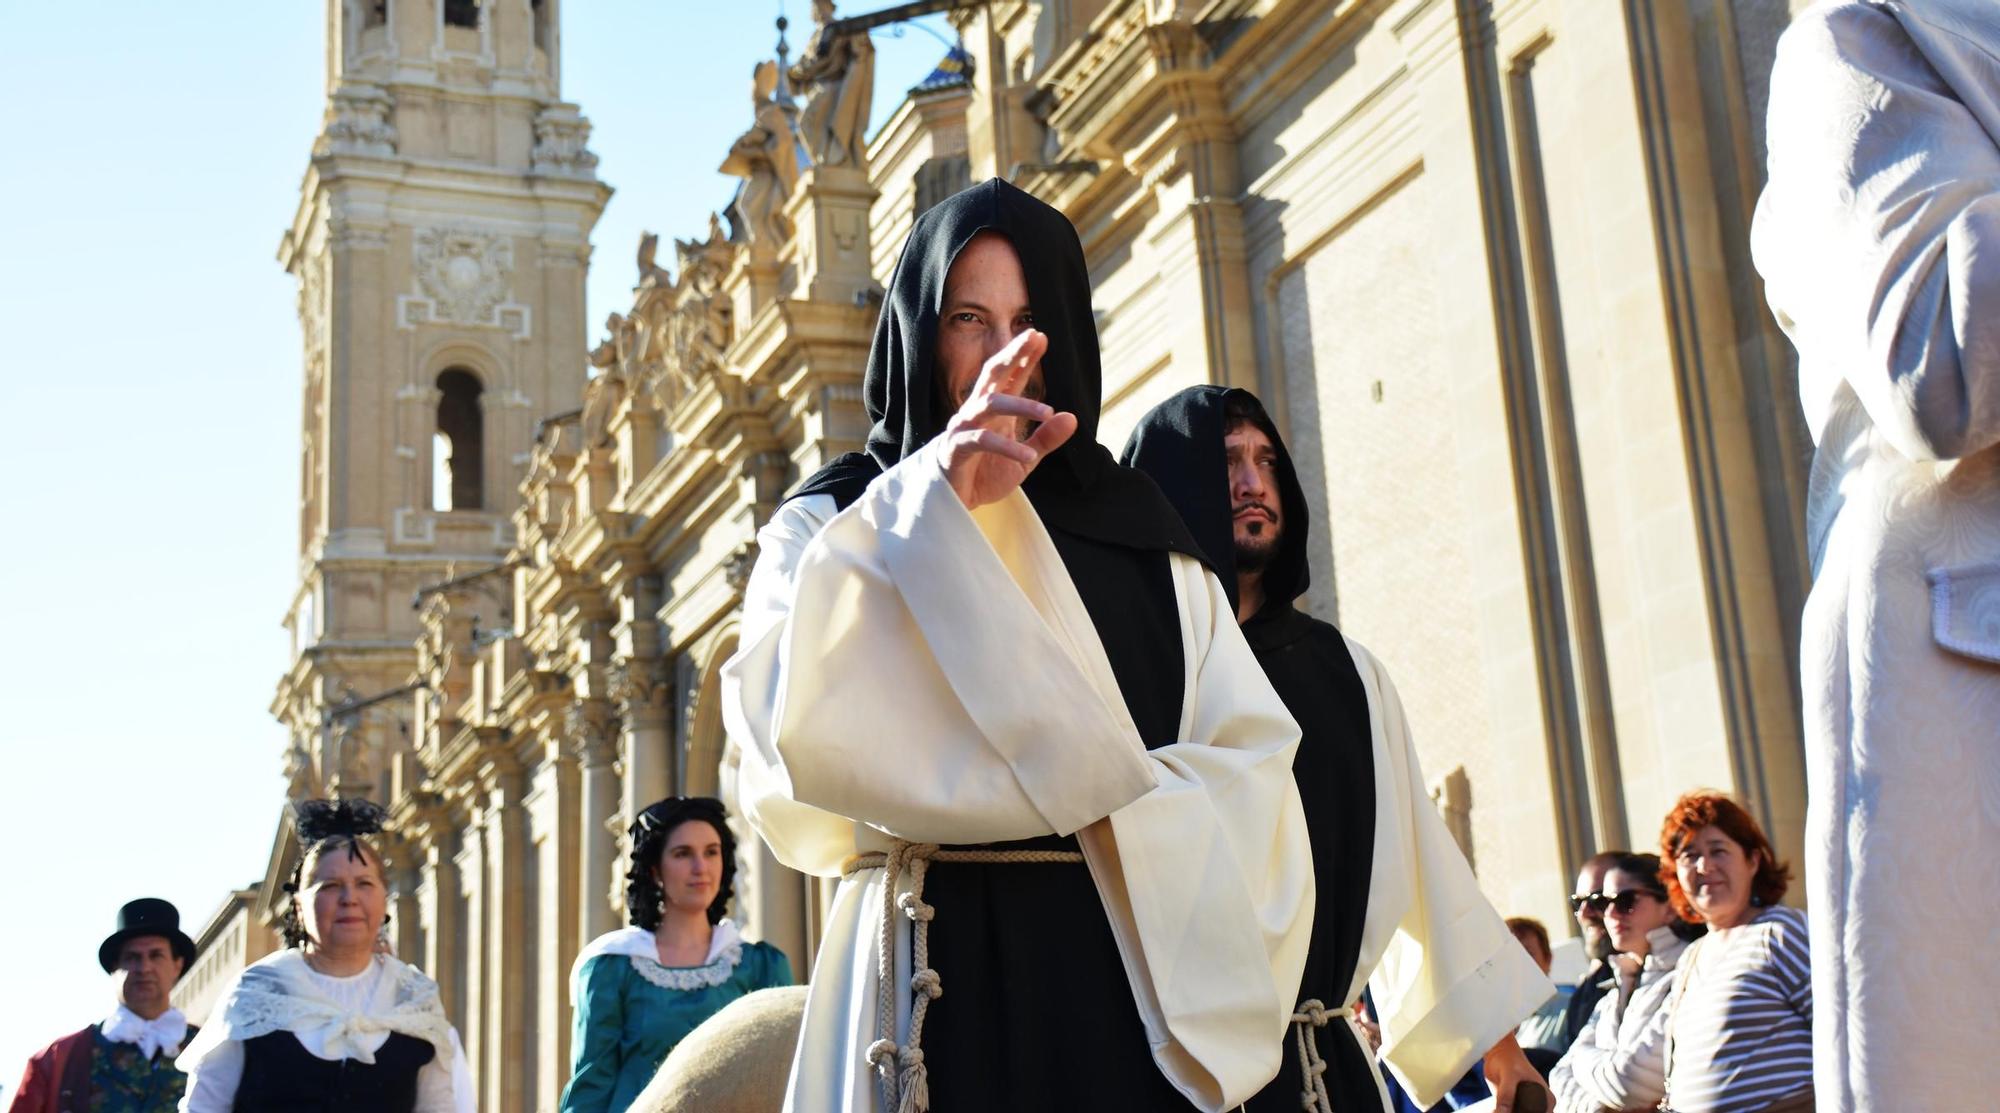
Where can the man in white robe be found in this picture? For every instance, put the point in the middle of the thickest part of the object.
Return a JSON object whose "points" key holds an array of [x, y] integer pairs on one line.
{"points": [[1400, 912], [1878, 236], [921, 662]]}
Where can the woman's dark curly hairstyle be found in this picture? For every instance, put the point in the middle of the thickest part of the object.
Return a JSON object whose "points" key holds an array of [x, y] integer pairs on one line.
{"points": [[327, 826], [649, 841]]}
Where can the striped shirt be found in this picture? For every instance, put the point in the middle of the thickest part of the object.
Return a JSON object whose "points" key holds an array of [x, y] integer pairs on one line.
{"points": [[1740, 1038]]}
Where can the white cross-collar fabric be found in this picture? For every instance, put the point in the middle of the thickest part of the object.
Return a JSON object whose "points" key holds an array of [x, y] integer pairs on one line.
{"points": [[164, 1032]]}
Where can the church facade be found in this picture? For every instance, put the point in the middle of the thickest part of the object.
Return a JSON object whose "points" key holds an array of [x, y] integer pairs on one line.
{"points": [[1486, 260]]}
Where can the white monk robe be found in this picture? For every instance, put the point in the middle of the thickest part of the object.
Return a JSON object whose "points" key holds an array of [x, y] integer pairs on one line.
{"points": [[1878, 237], [912, 669], [1447, 977]]}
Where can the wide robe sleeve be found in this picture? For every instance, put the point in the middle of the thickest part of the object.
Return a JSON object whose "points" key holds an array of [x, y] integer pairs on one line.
{"points": [[930, 672], [1450, 979], [903, 679], [1878, 232]]}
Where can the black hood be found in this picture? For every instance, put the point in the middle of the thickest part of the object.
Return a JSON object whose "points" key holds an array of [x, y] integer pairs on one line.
{"points": [[1078, 487], [1179, 444]]}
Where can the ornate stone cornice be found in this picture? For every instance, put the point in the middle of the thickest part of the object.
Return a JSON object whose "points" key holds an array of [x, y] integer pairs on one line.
{"points": [[357, 123], [561, 143]]}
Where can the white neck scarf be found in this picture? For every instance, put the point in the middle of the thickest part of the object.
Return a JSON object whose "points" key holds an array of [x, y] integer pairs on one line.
{"points": [[162, 1033]]}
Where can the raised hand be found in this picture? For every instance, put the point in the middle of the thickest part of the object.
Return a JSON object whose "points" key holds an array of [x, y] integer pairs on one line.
{"points": [[985, 457]]}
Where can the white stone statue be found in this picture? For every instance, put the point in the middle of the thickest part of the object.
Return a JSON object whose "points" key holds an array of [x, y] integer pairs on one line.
{"points": [[839, 69], [1878, 237], [767, 159]]}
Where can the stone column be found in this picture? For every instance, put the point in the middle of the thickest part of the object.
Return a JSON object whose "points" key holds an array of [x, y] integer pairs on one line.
{"points": [[406, 917], [505, 972], [473, 945], [639, 682], [438, 898], [593, 741], [553, 908]]}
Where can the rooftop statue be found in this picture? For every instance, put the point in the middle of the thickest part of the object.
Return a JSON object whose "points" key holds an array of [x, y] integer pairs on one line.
{"points": [[839, 69]]}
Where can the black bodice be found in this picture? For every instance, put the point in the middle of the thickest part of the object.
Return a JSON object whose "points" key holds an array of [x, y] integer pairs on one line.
{"points": [[281, 1076]]}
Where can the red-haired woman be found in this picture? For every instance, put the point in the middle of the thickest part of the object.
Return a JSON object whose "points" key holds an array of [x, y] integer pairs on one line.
{"points": [[1739, 1038]]}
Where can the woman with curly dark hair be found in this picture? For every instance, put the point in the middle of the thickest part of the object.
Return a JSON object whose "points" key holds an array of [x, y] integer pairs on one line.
{"points": [[1739, 1030], [330, 1022], [639, 990]]}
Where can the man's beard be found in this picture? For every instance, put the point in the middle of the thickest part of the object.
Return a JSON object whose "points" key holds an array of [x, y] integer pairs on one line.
{"points": [[1255, 552], [1599, 947], [1253, 555]]}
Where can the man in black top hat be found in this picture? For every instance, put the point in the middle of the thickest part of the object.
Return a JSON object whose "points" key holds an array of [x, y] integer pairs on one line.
{"points": [[125, 1062], [1399, 911]]}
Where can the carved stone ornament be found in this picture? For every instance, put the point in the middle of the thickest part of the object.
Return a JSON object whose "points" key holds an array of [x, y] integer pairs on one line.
{"points": [[464, 272], [736, 567], [639, 685], [768, 158], [587, 725], [357, 123], [561, 143], [313, 310], [698, 328]]}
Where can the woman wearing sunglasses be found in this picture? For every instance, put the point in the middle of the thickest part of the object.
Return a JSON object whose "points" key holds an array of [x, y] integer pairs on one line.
{"points": [[1618, 1062]]}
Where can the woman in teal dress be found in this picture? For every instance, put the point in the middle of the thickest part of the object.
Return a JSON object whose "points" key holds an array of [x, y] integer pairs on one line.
{"points": [[639, 990]]}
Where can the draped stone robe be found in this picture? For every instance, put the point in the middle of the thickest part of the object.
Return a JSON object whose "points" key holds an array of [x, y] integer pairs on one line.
{"points": [[1878, 237]]}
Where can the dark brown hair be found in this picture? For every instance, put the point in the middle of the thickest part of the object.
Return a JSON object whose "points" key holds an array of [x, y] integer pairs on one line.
{"points": [[1527, 927]]}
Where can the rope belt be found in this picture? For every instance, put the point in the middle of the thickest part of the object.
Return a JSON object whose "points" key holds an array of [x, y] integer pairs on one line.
{"points": [[910, 1091], [1307, 1019]]}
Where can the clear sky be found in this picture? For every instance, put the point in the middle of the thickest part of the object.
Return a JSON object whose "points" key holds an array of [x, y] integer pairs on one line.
{"points": [[149, 383]]}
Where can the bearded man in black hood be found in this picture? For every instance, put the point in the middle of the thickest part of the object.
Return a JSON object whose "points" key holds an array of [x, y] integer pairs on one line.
{"points": [[1400, 912], [984, 678]]}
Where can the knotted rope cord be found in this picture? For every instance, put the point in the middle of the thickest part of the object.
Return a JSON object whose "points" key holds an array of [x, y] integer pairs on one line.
{"points": [[1306, 1020], [911, 1093]]}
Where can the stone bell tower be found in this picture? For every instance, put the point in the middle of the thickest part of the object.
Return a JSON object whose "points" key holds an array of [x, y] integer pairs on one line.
{"points": [[440, 246]]}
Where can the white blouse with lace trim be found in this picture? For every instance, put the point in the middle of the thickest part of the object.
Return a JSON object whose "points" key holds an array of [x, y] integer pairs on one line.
{"points": [[725, 950]]}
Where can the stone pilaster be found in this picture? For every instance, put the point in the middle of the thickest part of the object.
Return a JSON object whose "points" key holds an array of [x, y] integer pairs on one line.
{"points": [[505, 974], [643, 689], [830, 211], [594, 742]]}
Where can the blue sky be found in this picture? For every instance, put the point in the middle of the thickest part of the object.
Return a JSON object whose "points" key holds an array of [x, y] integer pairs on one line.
{"points": [[149, 379]]}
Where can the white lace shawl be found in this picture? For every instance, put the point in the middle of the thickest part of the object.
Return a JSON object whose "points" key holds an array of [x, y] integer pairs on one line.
{"points": [[282, 993], [725, 950]]}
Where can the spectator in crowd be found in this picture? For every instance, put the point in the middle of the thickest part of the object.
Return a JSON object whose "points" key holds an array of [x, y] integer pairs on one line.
{"points": [[1588, 906], [330, 1022], [125, 1062], [1544, 1035], [1618, 1061], [1739, 1037], [640, 990]]}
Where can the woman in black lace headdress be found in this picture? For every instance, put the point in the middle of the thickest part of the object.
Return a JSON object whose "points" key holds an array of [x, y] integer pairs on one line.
{"points": [[331, 1023]]}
